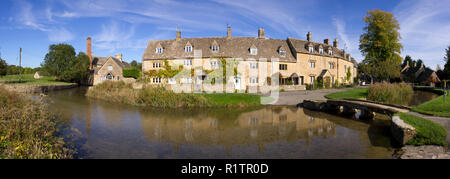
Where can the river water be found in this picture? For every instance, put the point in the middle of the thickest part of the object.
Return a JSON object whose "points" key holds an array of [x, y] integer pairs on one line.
{"points": [[108, 130]]}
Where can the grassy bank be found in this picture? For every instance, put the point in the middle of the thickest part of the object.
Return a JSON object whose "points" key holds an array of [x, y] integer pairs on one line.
{"points": [[352, 94], [29, 80], [160, 97], [435, 107], [428, 132], [28, 130]]}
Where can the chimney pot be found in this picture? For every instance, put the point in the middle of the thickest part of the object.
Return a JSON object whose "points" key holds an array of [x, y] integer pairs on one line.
{"points": [[89, 51], [119, 57], [309, 36], [228, 32], [326, 41], [261, 33], [335, 43]]}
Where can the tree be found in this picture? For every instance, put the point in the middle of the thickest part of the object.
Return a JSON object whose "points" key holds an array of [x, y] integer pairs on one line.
{"points": [[447, 64], [3, 67], [380, 44], [58, 60], [135, 64], [408, 60]]}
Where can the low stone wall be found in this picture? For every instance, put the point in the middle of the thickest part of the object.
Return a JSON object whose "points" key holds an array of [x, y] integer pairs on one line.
{"points": [[401, 131], [37, 88]]}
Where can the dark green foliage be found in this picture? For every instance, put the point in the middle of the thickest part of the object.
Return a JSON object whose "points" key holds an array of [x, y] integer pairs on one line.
{"points": [[3, 67], [61, 61], [131, 73], [447, 64], [428, 132]]}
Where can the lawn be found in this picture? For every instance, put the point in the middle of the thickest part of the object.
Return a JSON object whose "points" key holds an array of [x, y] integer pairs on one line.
{"points": [[28, 79], [353, 94], [233, 99], [428, 132], [435, 107]]}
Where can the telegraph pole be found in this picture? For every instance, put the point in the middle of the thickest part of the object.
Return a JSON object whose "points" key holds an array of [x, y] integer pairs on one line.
{"points": [[20, 66]]}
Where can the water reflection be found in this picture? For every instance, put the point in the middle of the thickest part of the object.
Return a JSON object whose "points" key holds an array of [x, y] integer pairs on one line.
{"points": [[109, 130]]}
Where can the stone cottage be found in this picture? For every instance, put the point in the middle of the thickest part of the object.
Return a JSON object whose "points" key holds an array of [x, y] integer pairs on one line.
{"points": [[106, 68], [418, 73]]}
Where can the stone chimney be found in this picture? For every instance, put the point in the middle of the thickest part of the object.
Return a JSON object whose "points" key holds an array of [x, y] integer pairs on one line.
{"points": [[89, 51], [326, 41], [335, 43], [261, 33], [178, 35], [119, 57], [229, 32], [309, 36]]}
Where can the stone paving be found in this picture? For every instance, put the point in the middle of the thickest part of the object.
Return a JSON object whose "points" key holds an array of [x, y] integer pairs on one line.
{"points": [[422, 152]]}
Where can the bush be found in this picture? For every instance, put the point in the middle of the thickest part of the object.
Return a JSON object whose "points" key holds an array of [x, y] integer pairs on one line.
{"points": [[28, 129], [392, 93], [131, 73], [428, 132]]}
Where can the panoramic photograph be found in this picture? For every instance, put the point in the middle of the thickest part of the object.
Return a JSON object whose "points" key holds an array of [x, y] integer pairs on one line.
{"points": [[224, 79]]}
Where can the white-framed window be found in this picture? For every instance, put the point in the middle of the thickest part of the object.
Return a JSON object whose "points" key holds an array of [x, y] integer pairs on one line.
{"points": [[187, 62], [188, 49], [214, 64], [330, 52], [253, 80], [215, 48], [110, 68], [254, 51], [282, 53], [172, 81], [159, 50], [321, 50], [331, 65], [157, 65], [310, 49], [118, 78], [312, 64], [186, 80], [254, 65], [283, 66], [311, 79], [156, 80]]}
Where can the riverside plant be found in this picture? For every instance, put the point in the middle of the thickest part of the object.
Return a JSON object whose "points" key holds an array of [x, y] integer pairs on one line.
{"points": [[392, 93], [28, 130]]}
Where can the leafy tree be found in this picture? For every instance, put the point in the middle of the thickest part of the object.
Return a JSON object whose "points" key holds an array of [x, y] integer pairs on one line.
{"points": [[79, 71], [135, 64], [380, 44], [59, 60], [3, 67], [447, 64], [408, 60], [13, 70]]}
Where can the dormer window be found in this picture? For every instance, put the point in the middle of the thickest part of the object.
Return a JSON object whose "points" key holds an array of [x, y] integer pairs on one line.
{"points": [[321, 51], [330, 52], [310, 49], [282, 53], [254, 51], [188, 49], [215, 48], [159, 50]]}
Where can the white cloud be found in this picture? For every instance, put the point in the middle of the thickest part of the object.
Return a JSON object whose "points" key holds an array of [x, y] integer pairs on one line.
{"points": [[60, 35]]}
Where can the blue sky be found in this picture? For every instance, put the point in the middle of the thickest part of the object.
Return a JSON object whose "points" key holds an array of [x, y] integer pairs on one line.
{"points": [[126, 26]]}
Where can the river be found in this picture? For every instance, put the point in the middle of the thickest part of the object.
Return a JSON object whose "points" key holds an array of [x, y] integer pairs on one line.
{"points": [[101, 129]]}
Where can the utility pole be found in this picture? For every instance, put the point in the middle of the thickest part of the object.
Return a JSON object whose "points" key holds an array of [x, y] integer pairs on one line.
{"points": [[20, 66]]}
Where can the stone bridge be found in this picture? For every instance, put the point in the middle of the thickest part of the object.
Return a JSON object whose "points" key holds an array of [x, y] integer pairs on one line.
{"points": [[350, 106]]}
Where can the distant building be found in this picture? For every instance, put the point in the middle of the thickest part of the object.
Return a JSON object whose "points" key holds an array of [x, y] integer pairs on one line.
{"points": [[37, 75], [106, 68], [301, 62], [419, 74]]}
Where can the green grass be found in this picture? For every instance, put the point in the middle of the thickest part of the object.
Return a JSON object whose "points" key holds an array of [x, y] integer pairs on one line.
{"points": [[219, 100], [428, 132], [353, 94], [28, 79], [435, 107]]}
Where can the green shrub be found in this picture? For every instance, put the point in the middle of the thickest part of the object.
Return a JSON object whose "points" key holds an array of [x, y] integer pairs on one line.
{"points": [[131, 73], [28, 129], [392, 93], [428, 132]]}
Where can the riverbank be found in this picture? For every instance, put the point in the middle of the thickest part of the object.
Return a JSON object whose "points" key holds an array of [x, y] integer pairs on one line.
{"points": [[28, 130], [27, 84], [160, 97]]}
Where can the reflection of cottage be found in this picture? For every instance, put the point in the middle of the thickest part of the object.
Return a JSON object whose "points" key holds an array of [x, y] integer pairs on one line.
{"points": [[419, 74], [37, 75], [106, 68]]}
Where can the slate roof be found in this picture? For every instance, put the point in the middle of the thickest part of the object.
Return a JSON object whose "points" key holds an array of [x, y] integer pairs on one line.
{"points": [[301, 46]]}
